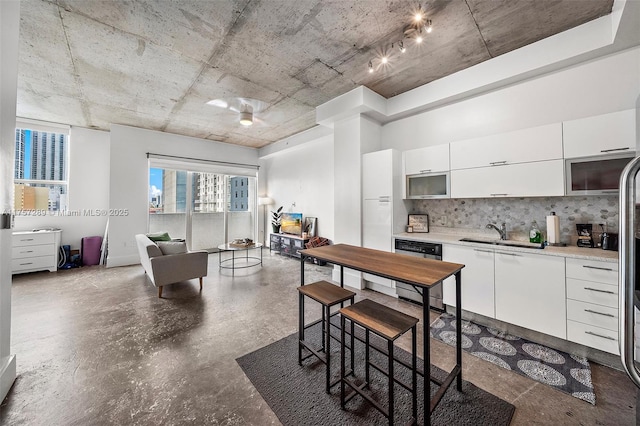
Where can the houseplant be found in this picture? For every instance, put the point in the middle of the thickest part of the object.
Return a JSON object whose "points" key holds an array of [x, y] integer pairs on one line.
{"points": [[275, 219]]}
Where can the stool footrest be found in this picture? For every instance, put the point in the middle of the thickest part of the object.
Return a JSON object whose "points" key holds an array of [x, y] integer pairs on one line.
{"points": [[365, 395], [321, 356], [386, 373]]}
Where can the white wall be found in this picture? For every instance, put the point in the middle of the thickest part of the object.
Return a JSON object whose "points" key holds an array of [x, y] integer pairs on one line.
{"points": [[129, 179], [9, 31], [88, 189], [596, 87], [304, 175]]}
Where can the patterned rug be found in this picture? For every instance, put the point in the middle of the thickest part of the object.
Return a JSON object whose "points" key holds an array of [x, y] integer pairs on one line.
{"points": [[568, 373]]}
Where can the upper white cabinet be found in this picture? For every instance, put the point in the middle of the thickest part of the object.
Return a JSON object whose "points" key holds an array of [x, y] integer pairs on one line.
{"points": [[521, 146], [602, 134], [377, 174], [426, 160], [542, 178]]}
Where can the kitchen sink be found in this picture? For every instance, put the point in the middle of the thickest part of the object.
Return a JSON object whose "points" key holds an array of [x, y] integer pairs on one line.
{"points": [[503, 243]]}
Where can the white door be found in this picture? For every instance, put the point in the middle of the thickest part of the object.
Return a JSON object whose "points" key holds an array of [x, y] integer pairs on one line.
{"points": [[377, 174], [376, 224], [9, 24]]}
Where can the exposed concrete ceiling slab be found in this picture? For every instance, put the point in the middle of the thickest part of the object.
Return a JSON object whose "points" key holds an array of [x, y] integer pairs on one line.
{"points": [[155, 63]]}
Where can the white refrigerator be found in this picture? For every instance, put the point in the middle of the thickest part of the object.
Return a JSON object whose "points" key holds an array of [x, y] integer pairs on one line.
{"points": [[383, 209]]}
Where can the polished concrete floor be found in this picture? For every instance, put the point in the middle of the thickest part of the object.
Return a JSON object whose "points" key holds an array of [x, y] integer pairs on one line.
{"points": [[97, 346]]}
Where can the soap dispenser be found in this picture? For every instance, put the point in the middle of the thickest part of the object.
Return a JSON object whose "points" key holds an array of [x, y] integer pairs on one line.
{"points": [[535, 236]]}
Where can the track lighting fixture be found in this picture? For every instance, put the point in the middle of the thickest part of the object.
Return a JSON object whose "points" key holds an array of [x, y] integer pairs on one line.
{"points": [[415, 30]]}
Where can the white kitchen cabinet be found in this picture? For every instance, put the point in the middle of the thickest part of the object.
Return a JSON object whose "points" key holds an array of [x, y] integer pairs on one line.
{"points": [[601, 134], [377, 174], [530, 291], [34, 251], [521, 146], [383, 210], [592, 304], [426, 160], [543, 178], [477, 279]]}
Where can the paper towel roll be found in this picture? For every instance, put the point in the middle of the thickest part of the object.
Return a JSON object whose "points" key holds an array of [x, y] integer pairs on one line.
{"points": [[553, 228]]}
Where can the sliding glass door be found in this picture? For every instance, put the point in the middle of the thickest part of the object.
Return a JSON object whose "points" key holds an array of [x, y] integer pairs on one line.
{"points": [[206, 209]]}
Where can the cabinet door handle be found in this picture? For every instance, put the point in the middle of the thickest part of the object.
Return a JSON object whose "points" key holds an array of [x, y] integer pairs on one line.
{"points": [[599, 335], [509, 254], [25, 264], [599, 291], [425, 171], [615, 149], [498, 195], [27, 239], [599, 313], [597, 267], [26, 251], [483, 251], [497, 163]]}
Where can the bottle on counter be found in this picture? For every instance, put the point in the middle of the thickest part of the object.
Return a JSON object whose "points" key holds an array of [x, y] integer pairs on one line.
{"points": [[535, 236]]}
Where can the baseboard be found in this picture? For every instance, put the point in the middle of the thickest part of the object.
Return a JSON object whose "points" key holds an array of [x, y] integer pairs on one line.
{"points": [[7, 376]]}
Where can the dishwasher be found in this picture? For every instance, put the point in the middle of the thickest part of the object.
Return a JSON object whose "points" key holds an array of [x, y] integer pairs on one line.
{"points": [[426, 250]]}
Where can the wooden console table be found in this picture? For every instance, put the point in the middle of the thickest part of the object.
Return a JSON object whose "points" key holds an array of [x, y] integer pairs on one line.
{"points": [[422, 274]]}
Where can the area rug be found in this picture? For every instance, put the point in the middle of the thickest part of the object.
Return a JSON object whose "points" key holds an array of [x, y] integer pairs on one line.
{"points": [[568, 373], [296, 394]]}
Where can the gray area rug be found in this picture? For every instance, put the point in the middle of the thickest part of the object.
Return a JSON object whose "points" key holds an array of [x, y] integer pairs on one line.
{"points": [[568, 373], [296, 393]]}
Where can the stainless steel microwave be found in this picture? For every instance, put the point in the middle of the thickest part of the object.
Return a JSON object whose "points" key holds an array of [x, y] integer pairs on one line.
{"points": [[595, 175], [428, 185]]}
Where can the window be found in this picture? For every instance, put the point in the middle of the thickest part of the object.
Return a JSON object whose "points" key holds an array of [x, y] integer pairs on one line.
{"points": [[41, 168]]}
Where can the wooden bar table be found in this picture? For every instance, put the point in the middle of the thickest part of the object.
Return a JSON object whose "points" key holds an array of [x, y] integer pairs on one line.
{"points": [[422, 274]]}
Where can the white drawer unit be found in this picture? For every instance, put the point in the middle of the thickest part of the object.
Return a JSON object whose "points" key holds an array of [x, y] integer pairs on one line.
{"points": [[592, 304], [34, 251]]}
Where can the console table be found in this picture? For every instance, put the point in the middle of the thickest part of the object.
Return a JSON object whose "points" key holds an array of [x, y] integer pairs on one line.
{"points": [[422, 274], [287, 244], [35, 251]]}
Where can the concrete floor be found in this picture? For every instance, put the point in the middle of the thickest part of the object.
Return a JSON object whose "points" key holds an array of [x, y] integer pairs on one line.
{"points": [[97, 346]]}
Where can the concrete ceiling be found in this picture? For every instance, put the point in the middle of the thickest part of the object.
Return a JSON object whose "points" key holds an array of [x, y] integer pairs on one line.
{"points": [[155, 64]]}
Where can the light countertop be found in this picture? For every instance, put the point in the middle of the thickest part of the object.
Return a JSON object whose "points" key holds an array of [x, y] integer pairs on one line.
{"points": [[568, 251]]}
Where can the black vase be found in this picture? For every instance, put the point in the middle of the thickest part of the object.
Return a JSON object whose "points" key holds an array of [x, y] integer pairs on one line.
{"points": [[276, 228]]}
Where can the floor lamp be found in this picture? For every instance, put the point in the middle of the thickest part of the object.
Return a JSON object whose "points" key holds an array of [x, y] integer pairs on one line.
{"points": [[264, 201]]}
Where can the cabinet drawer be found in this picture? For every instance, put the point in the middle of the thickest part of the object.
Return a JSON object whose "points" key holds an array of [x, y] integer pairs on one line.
{"points": [[31, 251], [32, 239], [596, 315], [298, 243], [592, 292], [594, 337], [275, 238], [34, 263], [593, 270]]}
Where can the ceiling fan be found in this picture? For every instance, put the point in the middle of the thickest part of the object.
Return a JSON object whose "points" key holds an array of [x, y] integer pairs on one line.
{"points": [[246, 108]]}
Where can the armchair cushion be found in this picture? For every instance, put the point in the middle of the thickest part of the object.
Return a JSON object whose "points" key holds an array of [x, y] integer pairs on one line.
{"points": [[172, 247]]}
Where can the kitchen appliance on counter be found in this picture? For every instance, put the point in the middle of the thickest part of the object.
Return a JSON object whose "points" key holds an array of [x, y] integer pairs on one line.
{"points": [[426, 250], [608, 240]]}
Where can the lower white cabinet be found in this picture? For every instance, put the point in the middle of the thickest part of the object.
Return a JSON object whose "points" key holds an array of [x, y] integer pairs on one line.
{"points": [[477, 279], [34, 251], [592, 304], [541, 178], [530, 291]]}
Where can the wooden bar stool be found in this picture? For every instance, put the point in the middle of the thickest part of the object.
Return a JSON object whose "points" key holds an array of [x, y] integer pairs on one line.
{"points": [[327, 295], [389, 324]]}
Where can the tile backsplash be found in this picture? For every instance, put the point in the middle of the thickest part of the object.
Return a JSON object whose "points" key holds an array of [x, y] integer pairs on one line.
{"points": [[518, 213]]}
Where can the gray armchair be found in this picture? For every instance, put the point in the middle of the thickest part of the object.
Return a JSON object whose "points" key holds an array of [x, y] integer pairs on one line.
{"points": [[163, 269]]}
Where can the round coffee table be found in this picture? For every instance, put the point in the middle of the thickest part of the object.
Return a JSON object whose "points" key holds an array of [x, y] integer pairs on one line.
{"points": [[239, 262]]}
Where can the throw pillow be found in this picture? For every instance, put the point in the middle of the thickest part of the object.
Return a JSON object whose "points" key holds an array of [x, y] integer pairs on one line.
{"points": [[172, 247], [159, 236]]}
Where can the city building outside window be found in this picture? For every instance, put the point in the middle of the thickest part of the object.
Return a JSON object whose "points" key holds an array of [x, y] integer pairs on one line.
{"points": [[41, 170]]}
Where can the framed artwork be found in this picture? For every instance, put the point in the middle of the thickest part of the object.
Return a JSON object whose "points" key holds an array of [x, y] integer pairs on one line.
{"points": [[419, 222]]}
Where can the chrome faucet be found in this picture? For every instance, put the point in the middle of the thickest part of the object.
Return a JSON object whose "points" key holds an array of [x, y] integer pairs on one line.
{"points": [[502, 230]]}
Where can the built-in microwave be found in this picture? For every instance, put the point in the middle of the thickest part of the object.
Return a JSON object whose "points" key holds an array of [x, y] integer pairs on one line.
{"points": [[598, 175], [428, 185]]}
